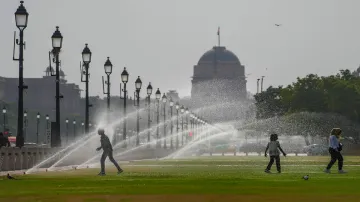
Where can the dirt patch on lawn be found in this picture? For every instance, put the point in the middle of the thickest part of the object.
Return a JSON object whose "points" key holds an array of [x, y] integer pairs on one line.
{"points": [[180, 198]]}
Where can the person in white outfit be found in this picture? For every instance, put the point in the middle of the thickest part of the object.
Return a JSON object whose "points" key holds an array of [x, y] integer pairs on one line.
{"points": [[335, 148]]}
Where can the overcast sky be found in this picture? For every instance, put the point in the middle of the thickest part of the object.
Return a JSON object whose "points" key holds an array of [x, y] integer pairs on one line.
{"points": [[161, 40]]}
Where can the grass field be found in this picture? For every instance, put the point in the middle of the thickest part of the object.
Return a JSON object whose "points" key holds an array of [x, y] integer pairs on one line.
{"points": [[200, 179]]}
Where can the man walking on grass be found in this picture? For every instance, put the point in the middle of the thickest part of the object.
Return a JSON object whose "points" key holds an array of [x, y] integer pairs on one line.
{"points": [[107, 152]]}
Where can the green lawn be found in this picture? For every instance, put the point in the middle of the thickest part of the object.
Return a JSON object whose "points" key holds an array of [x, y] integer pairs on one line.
{"points": [[200, 179]]}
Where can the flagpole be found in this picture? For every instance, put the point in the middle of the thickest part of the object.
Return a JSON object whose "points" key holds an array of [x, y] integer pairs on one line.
{"points": [[218, 36]]}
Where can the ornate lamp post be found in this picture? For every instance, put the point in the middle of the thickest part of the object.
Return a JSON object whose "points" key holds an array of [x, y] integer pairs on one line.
{"points": [[171, 104], [57, 44], [124, 79], [164, 100], [37, 127], [21, 19], [182, 110], [149, 92], [108, 70], [177, 107], [4, 117], [67, 130], [86, 57], [138, 85], [158, 96]]}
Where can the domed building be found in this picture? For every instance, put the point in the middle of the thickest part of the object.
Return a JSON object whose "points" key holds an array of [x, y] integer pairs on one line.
{"points": [[219, 76]]}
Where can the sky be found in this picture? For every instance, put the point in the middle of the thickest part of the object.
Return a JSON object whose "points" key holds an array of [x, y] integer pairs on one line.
{"points": [[161, 40]]}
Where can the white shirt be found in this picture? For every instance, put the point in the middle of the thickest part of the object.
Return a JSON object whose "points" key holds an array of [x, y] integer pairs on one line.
{"points": [[274, 148], [333, 142]]}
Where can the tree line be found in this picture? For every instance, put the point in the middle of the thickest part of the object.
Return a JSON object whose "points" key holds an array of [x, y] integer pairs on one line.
{"points": [[335, 100]]}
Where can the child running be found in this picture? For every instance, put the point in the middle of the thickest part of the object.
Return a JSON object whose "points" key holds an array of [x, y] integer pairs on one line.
{"points": [[274, 146]]}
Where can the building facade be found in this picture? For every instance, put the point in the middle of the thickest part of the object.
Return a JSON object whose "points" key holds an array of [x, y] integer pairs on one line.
{"points": [[218, 76], [40, 95]]}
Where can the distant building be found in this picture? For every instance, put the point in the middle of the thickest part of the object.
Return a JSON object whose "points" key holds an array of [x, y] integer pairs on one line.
{"points": [[174, 95], [218, 76], [40, 95]]}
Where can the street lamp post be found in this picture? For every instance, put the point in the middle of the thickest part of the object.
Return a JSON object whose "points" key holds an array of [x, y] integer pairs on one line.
{"points": [[82, 126], [25, 125], [138, 84], [124, 79], [48, 140], [37, 127], [4, 117], [177, 107], [57, 44], [158, 96], [74, 123], [21, 18], [149, 92], [192, 126], [108, 70], [67, 130], [86, 57], [171, 104], [164, 100], [182, 110], [187, 124]]}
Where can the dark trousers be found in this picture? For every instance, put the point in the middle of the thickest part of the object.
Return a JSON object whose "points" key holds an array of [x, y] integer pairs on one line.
{"points": [[272, 159], [335, 155], [108, 153]]}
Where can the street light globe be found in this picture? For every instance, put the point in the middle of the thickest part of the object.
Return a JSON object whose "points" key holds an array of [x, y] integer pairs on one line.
{"points": [[124, 76], [177, 106], [4, 110], [38, 115], [67, 121], [74, 122], [182, 109], [164, 98], [86, 55], [90, 124], [21, 16], [187, 111], [108, 66], [158, 94], [138, 83], [57, 39], [82, 123], [171, 102], [25, 113], [149, 89], [47, 117]]}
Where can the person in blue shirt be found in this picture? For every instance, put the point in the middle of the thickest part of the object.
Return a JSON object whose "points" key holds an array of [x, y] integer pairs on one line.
{"points": [[335, 148], [107, 152]]}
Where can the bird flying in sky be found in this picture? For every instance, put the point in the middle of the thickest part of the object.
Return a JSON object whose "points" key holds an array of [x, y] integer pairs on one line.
{"points": [[278, 25]]}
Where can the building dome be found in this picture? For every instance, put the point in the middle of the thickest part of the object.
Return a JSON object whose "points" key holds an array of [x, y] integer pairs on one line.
{"points": [[51, 71], [219, 53], [61, 73]]}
